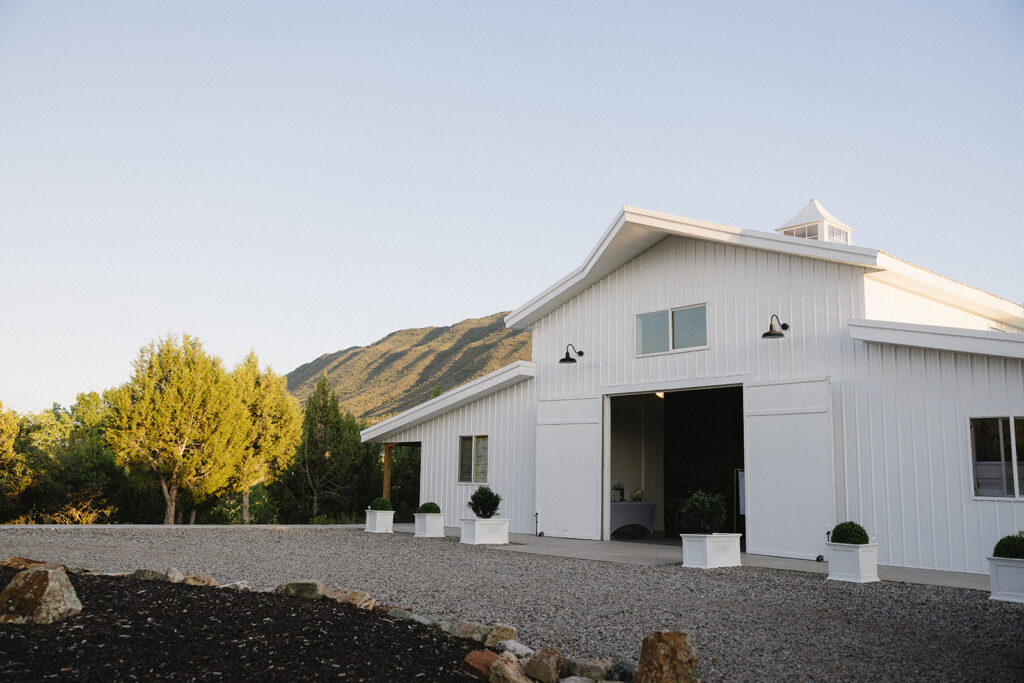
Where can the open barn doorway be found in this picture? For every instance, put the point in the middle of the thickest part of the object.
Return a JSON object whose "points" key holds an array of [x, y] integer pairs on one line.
{"points": [[665, 446]]}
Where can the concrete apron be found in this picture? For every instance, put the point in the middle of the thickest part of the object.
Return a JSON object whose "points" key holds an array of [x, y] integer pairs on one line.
{"points": [[628, 552]]}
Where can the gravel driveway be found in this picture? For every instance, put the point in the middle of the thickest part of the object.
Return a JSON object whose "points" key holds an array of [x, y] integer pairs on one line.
{"points": [[748, 623]]}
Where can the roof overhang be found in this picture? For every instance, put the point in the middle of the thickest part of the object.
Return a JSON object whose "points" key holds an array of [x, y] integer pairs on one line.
{"points": [[511, 374], [635, 231], [982, 343]]}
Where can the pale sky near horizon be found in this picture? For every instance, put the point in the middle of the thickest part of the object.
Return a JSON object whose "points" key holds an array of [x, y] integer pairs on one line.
{"points": [[300, 177]]}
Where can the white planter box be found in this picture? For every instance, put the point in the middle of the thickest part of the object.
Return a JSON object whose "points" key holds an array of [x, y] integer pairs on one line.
{"points": [[380, 521], [1007, 577], [429, 525], [477, 531], [708, 551], [854, 562]]}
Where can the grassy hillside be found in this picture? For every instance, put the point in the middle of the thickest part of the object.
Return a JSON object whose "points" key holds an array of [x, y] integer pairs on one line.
{"points": [[402, 369]]}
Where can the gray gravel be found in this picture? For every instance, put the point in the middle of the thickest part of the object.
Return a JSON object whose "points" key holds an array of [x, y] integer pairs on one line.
{"points": [[748, 623]]}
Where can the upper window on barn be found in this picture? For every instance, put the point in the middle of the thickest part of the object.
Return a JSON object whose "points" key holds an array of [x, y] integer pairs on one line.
{"points": [[672, 329], [473, 459], [997, 448]]}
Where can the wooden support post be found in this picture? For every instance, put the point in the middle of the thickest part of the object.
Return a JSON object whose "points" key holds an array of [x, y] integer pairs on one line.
{"points": [[387, 470]]}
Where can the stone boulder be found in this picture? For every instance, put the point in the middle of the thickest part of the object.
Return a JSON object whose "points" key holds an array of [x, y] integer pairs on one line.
{"points": [[41, 594], [307, 590], [19, 563], [585, 668], [545, 665], [522, 652], [478, 664], [498, 633], [199, 580], [667, 656], [243, 586], [623, 670], [350, 596], [507, 669], [472, 630]]}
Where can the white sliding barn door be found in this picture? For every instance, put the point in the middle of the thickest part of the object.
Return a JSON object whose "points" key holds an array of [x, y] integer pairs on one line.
{"points": [[569, 474], [788, 464]]}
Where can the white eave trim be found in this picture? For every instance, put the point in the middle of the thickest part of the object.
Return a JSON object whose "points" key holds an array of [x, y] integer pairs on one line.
{"points": [[982, 343], [636, 230], [490, 383]]}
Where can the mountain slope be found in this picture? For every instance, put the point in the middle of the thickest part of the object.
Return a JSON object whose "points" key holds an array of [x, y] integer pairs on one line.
{"points": [[402, 369]]}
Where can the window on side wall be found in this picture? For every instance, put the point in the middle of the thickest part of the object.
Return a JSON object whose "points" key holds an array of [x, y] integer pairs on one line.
{"points": [[472, 459], [997, 451], [675, 329]]}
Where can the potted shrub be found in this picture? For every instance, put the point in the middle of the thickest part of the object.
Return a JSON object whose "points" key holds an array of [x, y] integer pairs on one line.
{"points": [[485, 528], [1006, 569], [380, 517], [852, 557], [429, 521], [708, 548]]}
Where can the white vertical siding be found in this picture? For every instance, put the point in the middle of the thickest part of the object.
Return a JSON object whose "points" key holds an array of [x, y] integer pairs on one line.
{"points": [[508, 418], [912, 483], [886, 302]]}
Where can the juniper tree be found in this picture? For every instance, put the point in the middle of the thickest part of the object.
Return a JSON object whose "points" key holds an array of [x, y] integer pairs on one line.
{"points": [[179, 417]]}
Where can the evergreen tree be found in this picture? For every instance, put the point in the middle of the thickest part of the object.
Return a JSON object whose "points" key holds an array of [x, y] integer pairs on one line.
{"points": [[275, 427], [179, 417]]}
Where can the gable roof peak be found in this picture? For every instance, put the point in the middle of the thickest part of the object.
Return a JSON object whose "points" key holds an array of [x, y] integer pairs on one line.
{"points": [[814, 212]]}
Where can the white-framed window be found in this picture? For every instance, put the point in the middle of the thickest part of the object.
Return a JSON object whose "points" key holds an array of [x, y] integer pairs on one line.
{"points": [[472, 459], [997, 455], [836, 234], [674, 329]]}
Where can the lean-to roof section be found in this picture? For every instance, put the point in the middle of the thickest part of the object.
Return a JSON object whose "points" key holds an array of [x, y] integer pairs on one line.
{"points": [[520, 371], [635, 231]]}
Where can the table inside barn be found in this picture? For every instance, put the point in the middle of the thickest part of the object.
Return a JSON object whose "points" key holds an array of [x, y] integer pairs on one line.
{"points": [[624, 514]]}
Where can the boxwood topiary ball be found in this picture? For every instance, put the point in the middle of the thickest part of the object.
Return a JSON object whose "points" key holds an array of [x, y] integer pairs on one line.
{"points": [[380, 504], [1011, 547], [849, 532], [429, 508]]}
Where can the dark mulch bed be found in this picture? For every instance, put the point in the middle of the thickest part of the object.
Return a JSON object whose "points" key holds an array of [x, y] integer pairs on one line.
{"points": [[131, 629]]}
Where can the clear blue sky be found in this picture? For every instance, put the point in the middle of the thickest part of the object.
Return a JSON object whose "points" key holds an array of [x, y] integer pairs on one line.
{"points": [[300, 177]]}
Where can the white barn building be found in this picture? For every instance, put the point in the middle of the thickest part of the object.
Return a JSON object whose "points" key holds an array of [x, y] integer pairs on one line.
{"points": [[895, 398]]}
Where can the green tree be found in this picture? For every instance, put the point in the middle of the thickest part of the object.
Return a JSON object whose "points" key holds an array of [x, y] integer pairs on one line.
{"points": [[180, 418], [15, 476], [275, 428]]}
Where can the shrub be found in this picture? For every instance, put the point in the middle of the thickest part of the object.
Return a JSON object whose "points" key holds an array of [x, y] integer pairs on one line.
{"points": [[703, 513], [429, 508], [484, 502], [380, 504], [1010, 546], [849, 532]]}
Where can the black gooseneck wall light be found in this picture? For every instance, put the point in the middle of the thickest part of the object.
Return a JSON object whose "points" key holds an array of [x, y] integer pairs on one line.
{"points": [[774, 332], [568, 358]]}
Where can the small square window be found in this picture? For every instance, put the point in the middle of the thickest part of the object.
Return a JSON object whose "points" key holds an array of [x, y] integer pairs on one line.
{"points": [[652, 332], [997, 472], [689, 327]]}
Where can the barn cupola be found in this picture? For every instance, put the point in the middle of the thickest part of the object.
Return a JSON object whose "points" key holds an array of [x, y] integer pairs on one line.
{"points": [[815, 223]]}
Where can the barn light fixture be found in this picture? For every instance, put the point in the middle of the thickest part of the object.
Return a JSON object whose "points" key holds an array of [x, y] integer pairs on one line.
{"points": [[774, 332], [568, 358]]}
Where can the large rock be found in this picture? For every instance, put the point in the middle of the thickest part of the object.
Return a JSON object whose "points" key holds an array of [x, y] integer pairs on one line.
{"points": [[307, 590], [667, 656], [350, 596], [586, 668], [522, 652], [507, 669], [498, 633], [623, 671], [471, 629], [41, 594], [478, 664], [545, 665], [199, 580], [19, 563], [243, 586]]}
